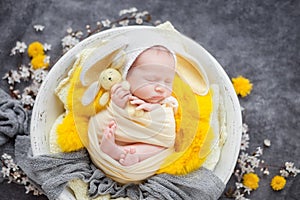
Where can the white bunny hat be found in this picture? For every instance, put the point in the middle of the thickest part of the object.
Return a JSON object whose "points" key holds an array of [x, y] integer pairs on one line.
{"points": [[130, 44]]}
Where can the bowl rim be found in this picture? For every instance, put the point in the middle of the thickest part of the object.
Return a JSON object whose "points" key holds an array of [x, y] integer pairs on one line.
{"points": [[39, 115]]}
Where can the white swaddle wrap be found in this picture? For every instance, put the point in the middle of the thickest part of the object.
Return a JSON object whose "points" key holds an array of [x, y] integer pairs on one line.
{"points": [[156, 127]]}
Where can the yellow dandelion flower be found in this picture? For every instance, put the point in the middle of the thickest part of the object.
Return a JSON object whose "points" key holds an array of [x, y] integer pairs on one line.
{"points": [[35, 49], [39, 62], [242, 86], [251, 180], [278, 183]]}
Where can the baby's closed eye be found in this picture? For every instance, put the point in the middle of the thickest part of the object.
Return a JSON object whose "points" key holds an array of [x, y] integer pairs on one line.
{"points": [[168, 80]]}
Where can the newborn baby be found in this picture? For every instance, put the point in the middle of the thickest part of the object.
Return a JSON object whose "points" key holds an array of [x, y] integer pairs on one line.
{"points": [[151, 78], [131, 138]]}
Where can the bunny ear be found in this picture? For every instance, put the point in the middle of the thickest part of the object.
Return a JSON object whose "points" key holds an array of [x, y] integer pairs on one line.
{"points": [[100, 58], [90, 93], [190, 71]]}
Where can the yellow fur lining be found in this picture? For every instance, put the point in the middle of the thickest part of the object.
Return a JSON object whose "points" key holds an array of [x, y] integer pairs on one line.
{"points": [[190, 159], [73, 127]]}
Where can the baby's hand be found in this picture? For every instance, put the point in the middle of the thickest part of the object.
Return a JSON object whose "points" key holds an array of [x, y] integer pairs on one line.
{"points": [[142, 105], [119, 95]]}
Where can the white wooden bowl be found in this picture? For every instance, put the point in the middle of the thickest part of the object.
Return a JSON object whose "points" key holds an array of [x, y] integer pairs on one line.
{"points": [[48, 107]]}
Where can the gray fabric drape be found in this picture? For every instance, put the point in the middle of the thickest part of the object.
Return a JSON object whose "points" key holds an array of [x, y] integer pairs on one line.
{"points": [[13, 118], [52, 172]]}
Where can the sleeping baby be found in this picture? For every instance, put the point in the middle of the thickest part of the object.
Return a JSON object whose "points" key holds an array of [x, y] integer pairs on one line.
{"points": [[133, 136]]}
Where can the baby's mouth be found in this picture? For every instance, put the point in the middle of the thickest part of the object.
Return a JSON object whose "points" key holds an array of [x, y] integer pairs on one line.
{"points": [[156, 98]]}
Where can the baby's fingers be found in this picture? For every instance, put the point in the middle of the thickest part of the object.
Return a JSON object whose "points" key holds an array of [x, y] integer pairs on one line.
{"points": [[133, 97], [144, 107], [123, 93], [115, 88], [137, 102]]}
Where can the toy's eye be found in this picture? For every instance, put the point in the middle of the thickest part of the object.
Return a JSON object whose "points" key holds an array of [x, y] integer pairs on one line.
{"points": [[109, 78]]}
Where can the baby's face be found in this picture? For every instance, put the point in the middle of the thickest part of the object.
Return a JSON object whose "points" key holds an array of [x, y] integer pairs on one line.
{"points": [[151, 76]]}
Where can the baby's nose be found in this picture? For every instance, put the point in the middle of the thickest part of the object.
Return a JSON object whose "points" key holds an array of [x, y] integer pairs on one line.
{"points": [[159, 89]]}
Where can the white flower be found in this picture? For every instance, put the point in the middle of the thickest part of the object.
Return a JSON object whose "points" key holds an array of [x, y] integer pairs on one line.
{"points": [[139, 20], [47, 59], [239, 185], [145, 12], [259, 151], [245, 136], [20, 47], [24, 72], [7, 76], [238, 175], [254, 162], [245, 141], [247, 190], [289, 165], [245, 128], [29, 188], [13, 51], [106, 23], [5, 156], [12, 77], [243, 157], [247, 169], [141, 14], [15, 76], [266, 171], [27, 100], [124, 22], [38, 27], [69, 41], [24, 180], [40, 75], [5, 171], [79, 34], [32, 89], [244, 145], [47, 47], [295, 171], [284, 173], [36, 192], [238, 195], [126, 11]]}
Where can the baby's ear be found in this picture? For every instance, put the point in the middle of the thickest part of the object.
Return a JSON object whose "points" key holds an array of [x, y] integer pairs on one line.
{"points": [[90, 93]]}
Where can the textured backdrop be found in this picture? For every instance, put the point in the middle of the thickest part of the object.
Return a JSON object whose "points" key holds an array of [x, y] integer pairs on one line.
{"points": [[256, 39]]}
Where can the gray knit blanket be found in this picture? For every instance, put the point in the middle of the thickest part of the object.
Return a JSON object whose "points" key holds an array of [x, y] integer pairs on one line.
{"points": [[53, 172], [13, 118]]}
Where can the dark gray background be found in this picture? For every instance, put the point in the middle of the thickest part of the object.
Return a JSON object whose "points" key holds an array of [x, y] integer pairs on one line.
{"points": [[256, 39]]}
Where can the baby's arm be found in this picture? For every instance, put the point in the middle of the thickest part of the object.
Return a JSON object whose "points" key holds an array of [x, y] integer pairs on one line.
{"points": [[142, 105], [119, 95]]}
